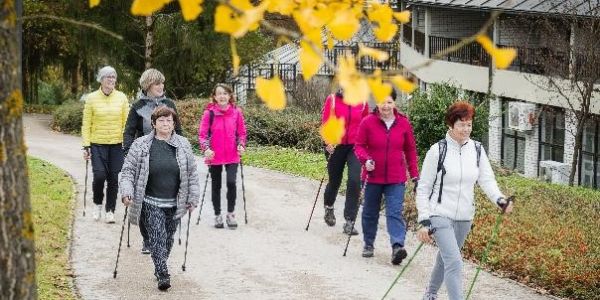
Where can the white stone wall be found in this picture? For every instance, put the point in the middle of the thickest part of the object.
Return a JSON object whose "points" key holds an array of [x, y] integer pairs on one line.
{"points": [[570, 131], [532, 146], [494, 149]]}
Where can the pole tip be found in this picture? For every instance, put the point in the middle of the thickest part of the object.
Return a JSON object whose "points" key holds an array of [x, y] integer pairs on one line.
{"points": [[183, 268], [115, 274]]}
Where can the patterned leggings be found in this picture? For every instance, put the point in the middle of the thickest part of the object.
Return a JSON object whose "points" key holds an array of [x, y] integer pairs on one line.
{"points": [[161, 226]]}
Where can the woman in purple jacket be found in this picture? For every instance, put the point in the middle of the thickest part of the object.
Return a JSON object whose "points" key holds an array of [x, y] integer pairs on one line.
{"points": [[385, 146]]}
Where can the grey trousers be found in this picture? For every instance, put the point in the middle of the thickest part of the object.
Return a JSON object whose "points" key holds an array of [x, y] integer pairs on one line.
{"points": [[449, 236]]}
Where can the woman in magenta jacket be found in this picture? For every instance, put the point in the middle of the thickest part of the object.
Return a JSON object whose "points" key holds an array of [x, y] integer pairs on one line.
{"points": [[386, 147], [222, 137], [338, 156]]}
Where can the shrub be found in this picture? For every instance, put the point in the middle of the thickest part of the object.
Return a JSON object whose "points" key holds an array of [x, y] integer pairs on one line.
{"points": [[68, 116], [310, 96], [427, 109]]}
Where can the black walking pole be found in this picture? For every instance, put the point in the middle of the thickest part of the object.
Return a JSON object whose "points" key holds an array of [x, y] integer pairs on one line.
{"points": [[243, 191], [87, 166], [431, 231], [317, 196], [187, 237], [180, 232], [490, 243], [128, 231], [203, 194], [362, 192], [120, 241]]}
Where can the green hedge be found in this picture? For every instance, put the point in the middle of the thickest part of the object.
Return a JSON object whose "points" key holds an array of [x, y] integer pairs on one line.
{"points": [[427, 109], [68, 116]]}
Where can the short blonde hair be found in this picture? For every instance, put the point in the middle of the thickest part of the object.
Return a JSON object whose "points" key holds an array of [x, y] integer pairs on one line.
{"points": [[150, 77]]}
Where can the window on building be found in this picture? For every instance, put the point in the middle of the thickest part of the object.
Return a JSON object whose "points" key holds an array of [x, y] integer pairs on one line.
{"points": [[513, 144], [552, 134], [589, 165]]}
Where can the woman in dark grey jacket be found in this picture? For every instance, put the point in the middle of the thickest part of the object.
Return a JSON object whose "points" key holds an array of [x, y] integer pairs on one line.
{"points": [[138, 123], [159, 180]]}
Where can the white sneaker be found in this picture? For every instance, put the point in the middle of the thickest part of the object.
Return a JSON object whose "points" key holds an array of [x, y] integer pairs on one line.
{"points": [[96, 212], [110, 217]]}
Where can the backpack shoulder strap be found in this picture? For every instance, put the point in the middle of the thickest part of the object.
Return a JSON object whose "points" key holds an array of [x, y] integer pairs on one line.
{"points": [[211, 118], [478, 150], [443, 147]]}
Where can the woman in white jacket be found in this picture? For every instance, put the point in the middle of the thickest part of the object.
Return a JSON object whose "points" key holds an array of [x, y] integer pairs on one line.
{"points": [[445, 196]]}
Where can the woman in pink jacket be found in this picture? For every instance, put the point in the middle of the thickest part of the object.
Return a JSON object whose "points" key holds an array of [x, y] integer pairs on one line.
{"points": [[386, 146], [338, 156], [222, 137]]}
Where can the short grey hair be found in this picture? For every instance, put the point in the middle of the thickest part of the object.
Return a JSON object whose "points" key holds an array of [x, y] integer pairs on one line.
{"points": [[105, 71], [150, 77]]}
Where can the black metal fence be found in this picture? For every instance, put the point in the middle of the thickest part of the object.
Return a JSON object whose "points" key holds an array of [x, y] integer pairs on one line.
{"points": [[288, 73], [472, 54], [365, 64]]}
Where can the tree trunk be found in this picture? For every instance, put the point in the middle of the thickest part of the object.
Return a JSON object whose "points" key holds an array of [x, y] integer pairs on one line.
{"points": [[17, 265], [149, 41], [577, 151]]}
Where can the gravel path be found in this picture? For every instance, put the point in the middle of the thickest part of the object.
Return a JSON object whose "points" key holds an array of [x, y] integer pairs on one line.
{"points": [[272, 257]]}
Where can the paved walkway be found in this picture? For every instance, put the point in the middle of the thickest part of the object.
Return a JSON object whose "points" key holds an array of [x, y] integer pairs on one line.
{"points": [[272, 257]]}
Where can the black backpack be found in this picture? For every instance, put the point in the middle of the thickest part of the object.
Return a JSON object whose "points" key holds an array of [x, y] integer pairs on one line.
{"points": [[443, 148]]}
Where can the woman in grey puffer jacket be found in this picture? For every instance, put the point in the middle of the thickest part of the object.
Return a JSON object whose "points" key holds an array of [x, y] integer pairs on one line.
{"points": [[159, 180]]}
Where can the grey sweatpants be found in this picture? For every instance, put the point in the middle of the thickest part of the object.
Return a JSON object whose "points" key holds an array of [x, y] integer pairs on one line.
{"points": [[449, 236]]}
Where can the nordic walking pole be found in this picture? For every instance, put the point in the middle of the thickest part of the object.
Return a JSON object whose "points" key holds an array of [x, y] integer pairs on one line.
{"points": [[362, 192], [315, 204], [431, 231], [203, 194], [179, 232], [243, 191], [187, 237], [317, 196], [87, 167], [490, 243], [128, 231], [120, 240]]}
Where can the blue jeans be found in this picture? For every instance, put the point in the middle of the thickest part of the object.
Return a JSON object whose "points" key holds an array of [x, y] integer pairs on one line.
{"points": [[394, 202]]}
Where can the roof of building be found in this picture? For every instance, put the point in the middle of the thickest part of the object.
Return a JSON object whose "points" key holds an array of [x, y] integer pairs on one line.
{"points": [[586, 8]]}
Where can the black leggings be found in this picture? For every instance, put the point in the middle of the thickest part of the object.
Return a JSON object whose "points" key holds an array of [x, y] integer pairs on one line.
{"points": [[107, 161], [343, 155], [215, 177]]}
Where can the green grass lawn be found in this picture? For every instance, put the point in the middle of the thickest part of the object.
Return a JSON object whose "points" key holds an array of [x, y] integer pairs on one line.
{"points": [[51, 201], [551, 240]]}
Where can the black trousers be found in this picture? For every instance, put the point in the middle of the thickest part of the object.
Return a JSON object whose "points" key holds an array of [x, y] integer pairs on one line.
{"points": [[161, 227], [215, 177], [107, 161], [342, 156]]}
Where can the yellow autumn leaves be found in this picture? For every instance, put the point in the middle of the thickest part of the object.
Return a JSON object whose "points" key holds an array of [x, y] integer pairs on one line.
{"points": [[319, 23]]}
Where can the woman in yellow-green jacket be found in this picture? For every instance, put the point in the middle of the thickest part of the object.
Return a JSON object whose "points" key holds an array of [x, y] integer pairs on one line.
{"points": [[104, 116]]}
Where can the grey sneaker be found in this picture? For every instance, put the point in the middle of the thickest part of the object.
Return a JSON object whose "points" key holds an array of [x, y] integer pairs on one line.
{"points": [[368, 251], [398, 254], [231, 222], [329, 216], [219, 221], [349, 228]]}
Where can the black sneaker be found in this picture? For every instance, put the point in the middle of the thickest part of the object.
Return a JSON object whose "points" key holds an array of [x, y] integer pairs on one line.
{"points": [[349, 228], [329, 216], [398, 254], [164, 282], [368, 251]]}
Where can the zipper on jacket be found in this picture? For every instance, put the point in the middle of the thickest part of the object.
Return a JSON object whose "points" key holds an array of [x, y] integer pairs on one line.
{"points": [[387, 149], [459, 182], [348, 123]]}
